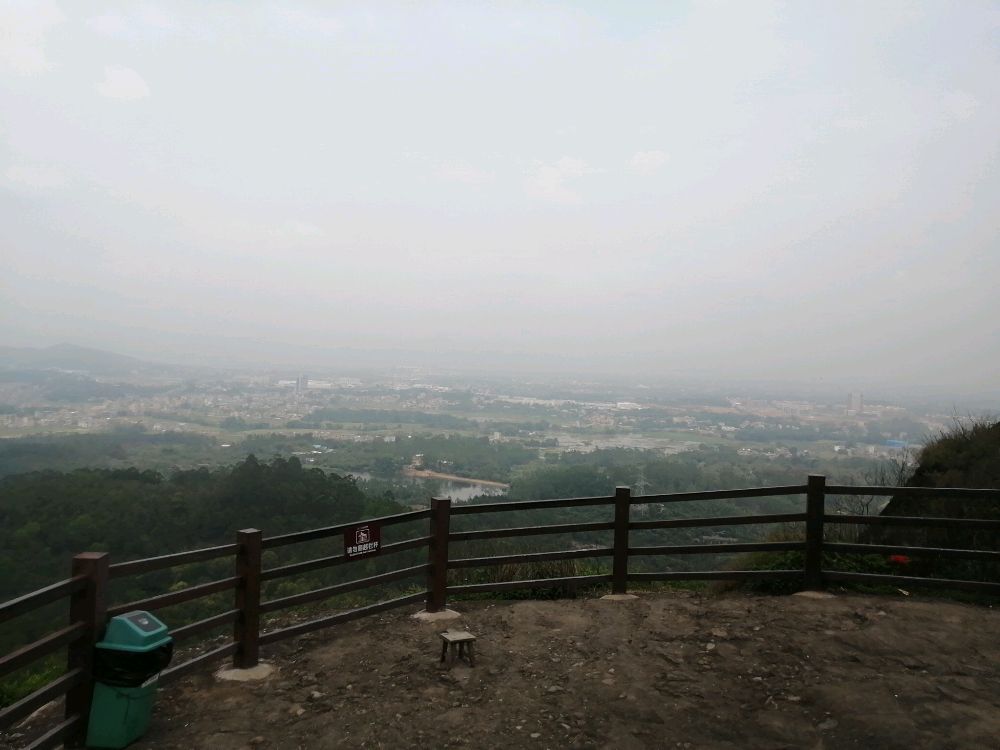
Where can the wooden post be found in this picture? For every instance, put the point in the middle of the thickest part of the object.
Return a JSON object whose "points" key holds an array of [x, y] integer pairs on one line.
{"points": [[437, 554], [246, 631], [89, 606], [815, 510], [619, 571]]}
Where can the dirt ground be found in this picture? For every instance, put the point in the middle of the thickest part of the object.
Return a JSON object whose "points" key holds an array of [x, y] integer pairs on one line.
{"points": [[667, 670]]}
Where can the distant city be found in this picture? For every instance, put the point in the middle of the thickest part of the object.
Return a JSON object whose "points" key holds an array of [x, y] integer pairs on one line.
{"points": [[559, 417]]}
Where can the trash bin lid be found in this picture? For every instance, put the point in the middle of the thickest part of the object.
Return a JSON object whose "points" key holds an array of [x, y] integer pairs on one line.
{"points": [[134, 631]]}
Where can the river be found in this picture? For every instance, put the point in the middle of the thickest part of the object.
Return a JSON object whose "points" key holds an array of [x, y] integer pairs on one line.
{"points": [[459, 492]]}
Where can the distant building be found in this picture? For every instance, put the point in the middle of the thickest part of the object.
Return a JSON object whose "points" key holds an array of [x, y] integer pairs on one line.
{"points": [[302, 383], [855, 403]]}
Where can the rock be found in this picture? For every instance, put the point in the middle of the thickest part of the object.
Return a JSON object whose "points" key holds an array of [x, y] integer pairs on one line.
{"points": [[814, 595], [315, 695], [828, 724], [535, 735], [260, 672], [258, 740], [555, 689]]}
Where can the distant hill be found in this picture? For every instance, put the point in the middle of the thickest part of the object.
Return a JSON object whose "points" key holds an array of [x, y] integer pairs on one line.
{"points": [[74, 358], [968, 455]]}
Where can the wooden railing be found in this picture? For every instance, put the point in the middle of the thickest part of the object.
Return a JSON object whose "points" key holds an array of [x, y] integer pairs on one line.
{"points": [[83, 590], [87, 588]]}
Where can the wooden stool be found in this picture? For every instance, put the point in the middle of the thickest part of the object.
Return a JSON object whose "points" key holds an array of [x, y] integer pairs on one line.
{"points": [[460, 642]]}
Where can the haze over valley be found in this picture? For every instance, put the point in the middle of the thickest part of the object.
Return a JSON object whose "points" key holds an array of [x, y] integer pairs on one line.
{"points": [[757, 191]]}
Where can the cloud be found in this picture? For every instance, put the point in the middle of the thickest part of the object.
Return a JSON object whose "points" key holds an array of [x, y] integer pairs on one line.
{"points": [[850, 123], [35, 177], [122, 83], [110, 24], [298, 21], [549, 181], [304, 229], [647, 162], [464, 174], [140, 22], [961, 105], [23, 28]]}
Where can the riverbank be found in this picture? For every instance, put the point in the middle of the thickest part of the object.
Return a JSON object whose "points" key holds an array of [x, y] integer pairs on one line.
{"points": [[412, 473]]}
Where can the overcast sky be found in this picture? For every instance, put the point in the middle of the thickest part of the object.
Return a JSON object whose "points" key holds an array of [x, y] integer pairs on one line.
{"points": [[801, 190]]}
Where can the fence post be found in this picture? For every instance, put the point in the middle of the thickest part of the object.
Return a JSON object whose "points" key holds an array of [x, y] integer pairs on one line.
{"points": [[89, 606], [815, 510], [246, 629], [619, 572], [437, 554]]}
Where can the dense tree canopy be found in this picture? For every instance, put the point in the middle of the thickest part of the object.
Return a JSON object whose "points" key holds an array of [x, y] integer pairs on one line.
{"points": [[46, 517]]}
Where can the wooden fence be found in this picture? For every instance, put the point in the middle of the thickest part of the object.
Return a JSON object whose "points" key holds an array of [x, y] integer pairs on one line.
{"points": [[87, 587]]}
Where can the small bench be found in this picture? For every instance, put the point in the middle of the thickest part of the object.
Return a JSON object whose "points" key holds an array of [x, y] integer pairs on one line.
{"points": [[460, 643]]}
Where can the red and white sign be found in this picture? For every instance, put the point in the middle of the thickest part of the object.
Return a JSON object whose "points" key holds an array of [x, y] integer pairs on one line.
{"points": [[363, 540]]}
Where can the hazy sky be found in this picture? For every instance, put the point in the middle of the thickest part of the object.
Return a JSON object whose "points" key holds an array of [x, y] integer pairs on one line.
{"points": [[803, 189]]}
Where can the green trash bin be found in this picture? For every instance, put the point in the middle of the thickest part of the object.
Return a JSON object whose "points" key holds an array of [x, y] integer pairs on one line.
{"points": [[127, 663]]}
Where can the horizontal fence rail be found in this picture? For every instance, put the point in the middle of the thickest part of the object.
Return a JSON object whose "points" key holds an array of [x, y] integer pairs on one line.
{"points": [[342, 588], [176, 597], [150, 564], [938, 523], [894, 549], [981, 587], [954, 492], [87, 587], [703, 549], [56, 736], [540, 583], [718, 575], [42, 647], [680, 497], [680, 523], [209, 623], [41, 597], [530, 557], [568, 502], [323, 622], [341, 559], [29, 703], [563, 528], [308, 536]]}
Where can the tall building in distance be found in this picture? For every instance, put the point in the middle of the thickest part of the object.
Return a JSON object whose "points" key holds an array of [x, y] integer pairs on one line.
{"points": [[855, 403], [301, 383]]}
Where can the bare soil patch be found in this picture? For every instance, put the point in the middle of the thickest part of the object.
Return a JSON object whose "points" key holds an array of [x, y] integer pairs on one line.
{"points": [[668, 670]]}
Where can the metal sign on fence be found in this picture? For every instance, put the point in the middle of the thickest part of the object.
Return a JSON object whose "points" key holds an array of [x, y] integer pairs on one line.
{"points": [[363, 540]]}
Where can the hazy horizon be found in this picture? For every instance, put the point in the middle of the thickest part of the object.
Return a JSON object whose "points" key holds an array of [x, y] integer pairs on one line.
{"points": [[802, 192]]}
